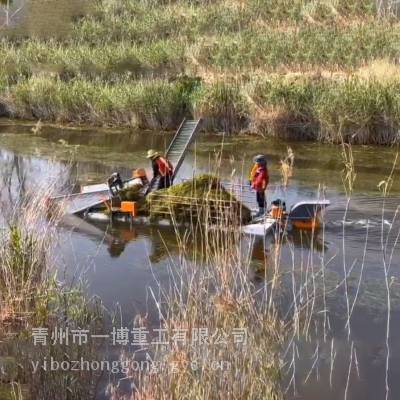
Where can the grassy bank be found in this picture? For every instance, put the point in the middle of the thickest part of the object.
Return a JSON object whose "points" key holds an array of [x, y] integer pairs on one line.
{"points": [[361, 111], [256, 66]]}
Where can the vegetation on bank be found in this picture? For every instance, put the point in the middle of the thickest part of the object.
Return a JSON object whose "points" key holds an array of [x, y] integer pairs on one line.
{"points": [[32, 297], [304, 69]]}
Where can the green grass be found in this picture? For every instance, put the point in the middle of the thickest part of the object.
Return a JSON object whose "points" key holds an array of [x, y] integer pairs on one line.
{"points": [[145, 20], [110, 63], [149, 63], [362, 111], [308, 47], [146, 103]]}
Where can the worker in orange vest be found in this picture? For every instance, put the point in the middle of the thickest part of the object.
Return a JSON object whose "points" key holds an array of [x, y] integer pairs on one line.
{"points": [[259, 179], [163, 170]]}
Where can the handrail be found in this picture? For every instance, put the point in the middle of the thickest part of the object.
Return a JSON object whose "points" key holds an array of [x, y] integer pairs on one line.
{"points": [[188, 143], [175, 136]]}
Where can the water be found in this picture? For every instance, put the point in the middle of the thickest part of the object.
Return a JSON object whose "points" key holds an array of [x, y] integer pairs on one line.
{"points": [[41, 18], [120, 263]]}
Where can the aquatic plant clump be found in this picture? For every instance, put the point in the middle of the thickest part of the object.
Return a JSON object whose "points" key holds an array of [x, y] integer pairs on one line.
{"points": [[202, 197]]}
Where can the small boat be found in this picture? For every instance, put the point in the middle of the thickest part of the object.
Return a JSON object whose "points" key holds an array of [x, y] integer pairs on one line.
{"points": [[302, 215]]}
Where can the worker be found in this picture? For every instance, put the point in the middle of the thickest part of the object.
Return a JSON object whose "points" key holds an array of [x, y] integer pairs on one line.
{"points": [[115, 183], [139, 179], [135, 188], [259, 179], [163, 170]]}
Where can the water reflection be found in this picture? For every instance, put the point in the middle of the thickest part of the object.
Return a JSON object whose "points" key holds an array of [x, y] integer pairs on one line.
{"points": [[117, 236], [23, 175]]}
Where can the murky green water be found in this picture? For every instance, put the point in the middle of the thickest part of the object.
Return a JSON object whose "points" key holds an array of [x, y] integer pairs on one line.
{"points": [[41, 18], [115, 259]]}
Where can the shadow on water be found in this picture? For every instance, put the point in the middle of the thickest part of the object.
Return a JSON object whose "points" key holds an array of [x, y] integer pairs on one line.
{"points": [[120, 262]]}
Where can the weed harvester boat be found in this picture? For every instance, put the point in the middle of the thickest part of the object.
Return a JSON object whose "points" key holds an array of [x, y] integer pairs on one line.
{"points": [[107, 196], [107, 200]]}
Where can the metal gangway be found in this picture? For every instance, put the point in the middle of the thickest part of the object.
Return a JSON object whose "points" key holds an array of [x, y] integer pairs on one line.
{"points": [[179, 145]]}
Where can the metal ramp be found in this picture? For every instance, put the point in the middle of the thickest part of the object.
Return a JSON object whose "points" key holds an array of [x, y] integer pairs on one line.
{"points": [[94, 195], [79, 202], [180, 143]]}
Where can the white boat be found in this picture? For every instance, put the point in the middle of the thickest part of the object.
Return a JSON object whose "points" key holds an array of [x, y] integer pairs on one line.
{"points": [[302, 214]]}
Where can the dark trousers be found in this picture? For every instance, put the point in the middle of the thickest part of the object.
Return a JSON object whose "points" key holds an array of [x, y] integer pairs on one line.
{"points": [[164, 182], [260, 195]]}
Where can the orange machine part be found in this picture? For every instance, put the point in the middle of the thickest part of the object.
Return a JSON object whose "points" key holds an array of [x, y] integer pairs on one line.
{"points": [[276, 212], [129, 207], [309, 224]]}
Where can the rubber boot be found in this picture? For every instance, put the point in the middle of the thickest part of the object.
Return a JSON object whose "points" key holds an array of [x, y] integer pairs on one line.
{"points": [[261, 212]]}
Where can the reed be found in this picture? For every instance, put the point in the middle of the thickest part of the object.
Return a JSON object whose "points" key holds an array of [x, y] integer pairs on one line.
{"points": [[33, 296], [25, 266], [349, 109], [259, 66], [212, 295], [365, 111], [286, 167], [146, 104]]}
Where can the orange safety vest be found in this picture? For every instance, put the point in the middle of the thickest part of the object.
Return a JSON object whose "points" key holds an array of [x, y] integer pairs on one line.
{"points": [[259, 177], [164, 166]]}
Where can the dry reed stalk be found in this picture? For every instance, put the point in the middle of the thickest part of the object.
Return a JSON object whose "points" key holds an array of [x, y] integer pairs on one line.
{"points": [[287, 167], [216, 293], [25, 255]]}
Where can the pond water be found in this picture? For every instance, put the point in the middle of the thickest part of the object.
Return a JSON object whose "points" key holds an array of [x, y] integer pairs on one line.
{"points": [[120, 262], [40, 18]]}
